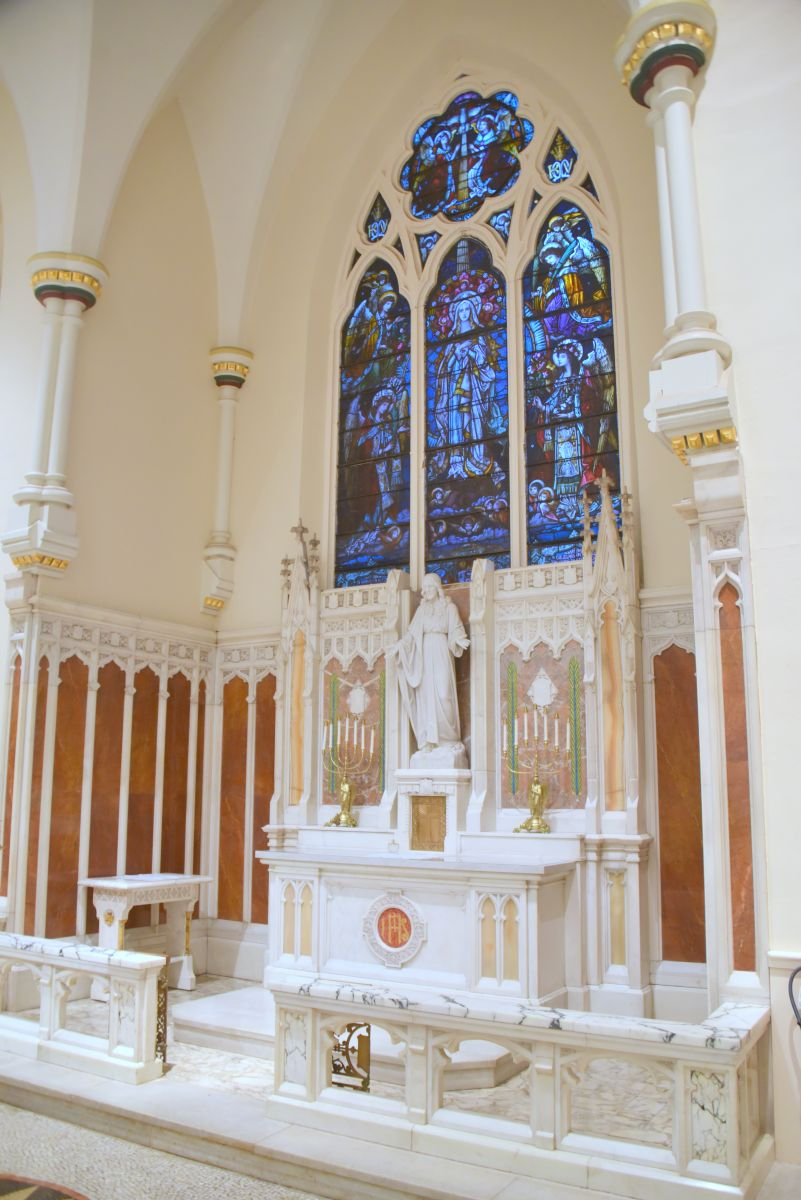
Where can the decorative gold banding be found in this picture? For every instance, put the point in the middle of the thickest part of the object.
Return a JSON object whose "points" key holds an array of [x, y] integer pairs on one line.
{"points": [[660, 35], [187, 933], [121, 935], [37, 559], [230, 368], [49, 255], [53, 275], [702, 441], [213, 602]]}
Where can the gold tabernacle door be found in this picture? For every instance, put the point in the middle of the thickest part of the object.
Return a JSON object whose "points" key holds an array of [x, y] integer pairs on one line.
{"points": [[428, 823]]}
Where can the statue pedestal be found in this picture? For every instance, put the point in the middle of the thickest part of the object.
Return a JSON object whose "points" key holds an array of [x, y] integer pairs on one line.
{"points": [[432, 808]]}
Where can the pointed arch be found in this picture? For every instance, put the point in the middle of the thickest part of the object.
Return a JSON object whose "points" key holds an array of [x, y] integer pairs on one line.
{"points": [[372, 532], [571, 433], [467, 414]]}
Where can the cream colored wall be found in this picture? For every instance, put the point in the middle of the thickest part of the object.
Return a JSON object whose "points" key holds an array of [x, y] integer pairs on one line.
{"points": [[351, 117], [749, 182], [142, 450], [20, 335]]}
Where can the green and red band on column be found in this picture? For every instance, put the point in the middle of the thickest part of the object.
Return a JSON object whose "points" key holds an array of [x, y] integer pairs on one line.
{"points": [[63, 276], [669, 44], [230, 365]]}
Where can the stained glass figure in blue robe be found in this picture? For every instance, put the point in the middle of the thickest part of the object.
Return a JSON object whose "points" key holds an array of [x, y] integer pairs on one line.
{"points": [[465, 155], [467, 416], [571, 406], [373, 471]]}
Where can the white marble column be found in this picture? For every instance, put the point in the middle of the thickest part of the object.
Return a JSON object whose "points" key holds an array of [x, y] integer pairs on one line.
{"points": [[191, 777], [67, 285], [23, 775], [230, 367], [125, 770]]}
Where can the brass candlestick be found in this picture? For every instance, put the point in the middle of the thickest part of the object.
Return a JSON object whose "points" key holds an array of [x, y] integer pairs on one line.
{"points": [[347, 751], [527, 751]]}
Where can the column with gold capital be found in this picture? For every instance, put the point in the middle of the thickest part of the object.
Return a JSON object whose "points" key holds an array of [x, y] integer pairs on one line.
{"points": [[66, 285], [661, 58], [230, 366]]}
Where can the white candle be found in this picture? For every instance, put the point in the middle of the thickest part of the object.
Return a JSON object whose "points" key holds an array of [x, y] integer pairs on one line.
{"points": [[525, 726], [347, 730], [362, 737], [505, 738], [339, 732], [536, 726], [545, 723], [556, 730], [372, 740]]}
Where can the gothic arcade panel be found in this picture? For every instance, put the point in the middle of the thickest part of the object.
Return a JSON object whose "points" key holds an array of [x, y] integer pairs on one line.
{"points": [[356, 696], [555, 687]]}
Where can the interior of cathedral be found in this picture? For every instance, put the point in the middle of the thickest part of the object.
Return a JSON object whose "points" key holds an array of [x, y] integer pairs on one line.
{"points": [[400, 559]]}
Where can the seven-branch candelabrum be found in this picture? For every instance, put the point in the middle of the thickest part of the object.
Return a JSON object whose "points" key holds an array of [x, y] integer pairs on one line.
{"points": [[348, 750], [531, 749]]}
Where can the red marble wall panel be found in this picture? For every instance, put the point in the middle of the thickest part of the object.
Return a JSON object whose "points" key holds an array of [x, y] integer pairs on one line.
{"points": [[142, 786], [739, 793], [681, 849], [66, 812], [263, 789], [459, 593], [201, 733], [12, 717], [36, 795], [232, 800], [173, 826], [104, 820]]}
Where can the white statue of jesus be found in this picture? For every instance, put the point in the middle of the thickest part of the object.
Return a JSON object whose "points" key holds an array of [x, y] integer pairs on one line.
{"points": [[427, 677]]}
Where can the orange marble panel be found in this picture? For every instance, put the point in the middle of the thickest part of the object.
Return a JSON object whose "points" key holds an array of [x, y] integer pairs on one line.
{"points": [[612, 683], [296, 719], [106, 778], [741, 861], [65, 821], [13, 716], [36, 794], [681, 846], [232, 800], [263, 781], [176, 743], [142, 783], [201, 734]]}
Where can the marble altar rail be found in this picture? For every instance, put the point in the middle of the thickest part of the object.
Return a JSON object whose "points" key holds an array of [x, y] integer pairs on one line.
{"points": [[126, 1049], [638, 1099]]}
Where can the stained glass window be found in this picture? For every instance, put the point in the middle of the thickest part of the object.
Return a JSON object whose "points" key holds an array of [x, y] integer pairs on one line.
{"points": [[589, 186], [561, 158], [502, 222], [467, 415], [378, 219], [426, 243], [466, 154], [373, 472], [570, 395]]}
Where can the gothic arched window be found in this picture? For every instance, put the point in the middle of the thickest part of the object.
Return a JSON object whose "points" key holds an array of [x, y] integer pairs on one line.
{"points": [[467, 415], [373, 470], [477, 398]]}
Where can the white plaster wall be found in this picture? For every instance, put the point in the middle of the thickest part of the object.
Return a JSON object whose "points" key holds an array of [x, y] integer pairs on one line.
{"points": [[142, 449], [749, 181]]}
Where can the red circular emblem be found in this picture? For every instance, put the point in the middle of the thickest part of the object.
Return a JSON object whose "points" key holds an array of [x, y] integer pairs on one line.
{"points": [[394, 928]]}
